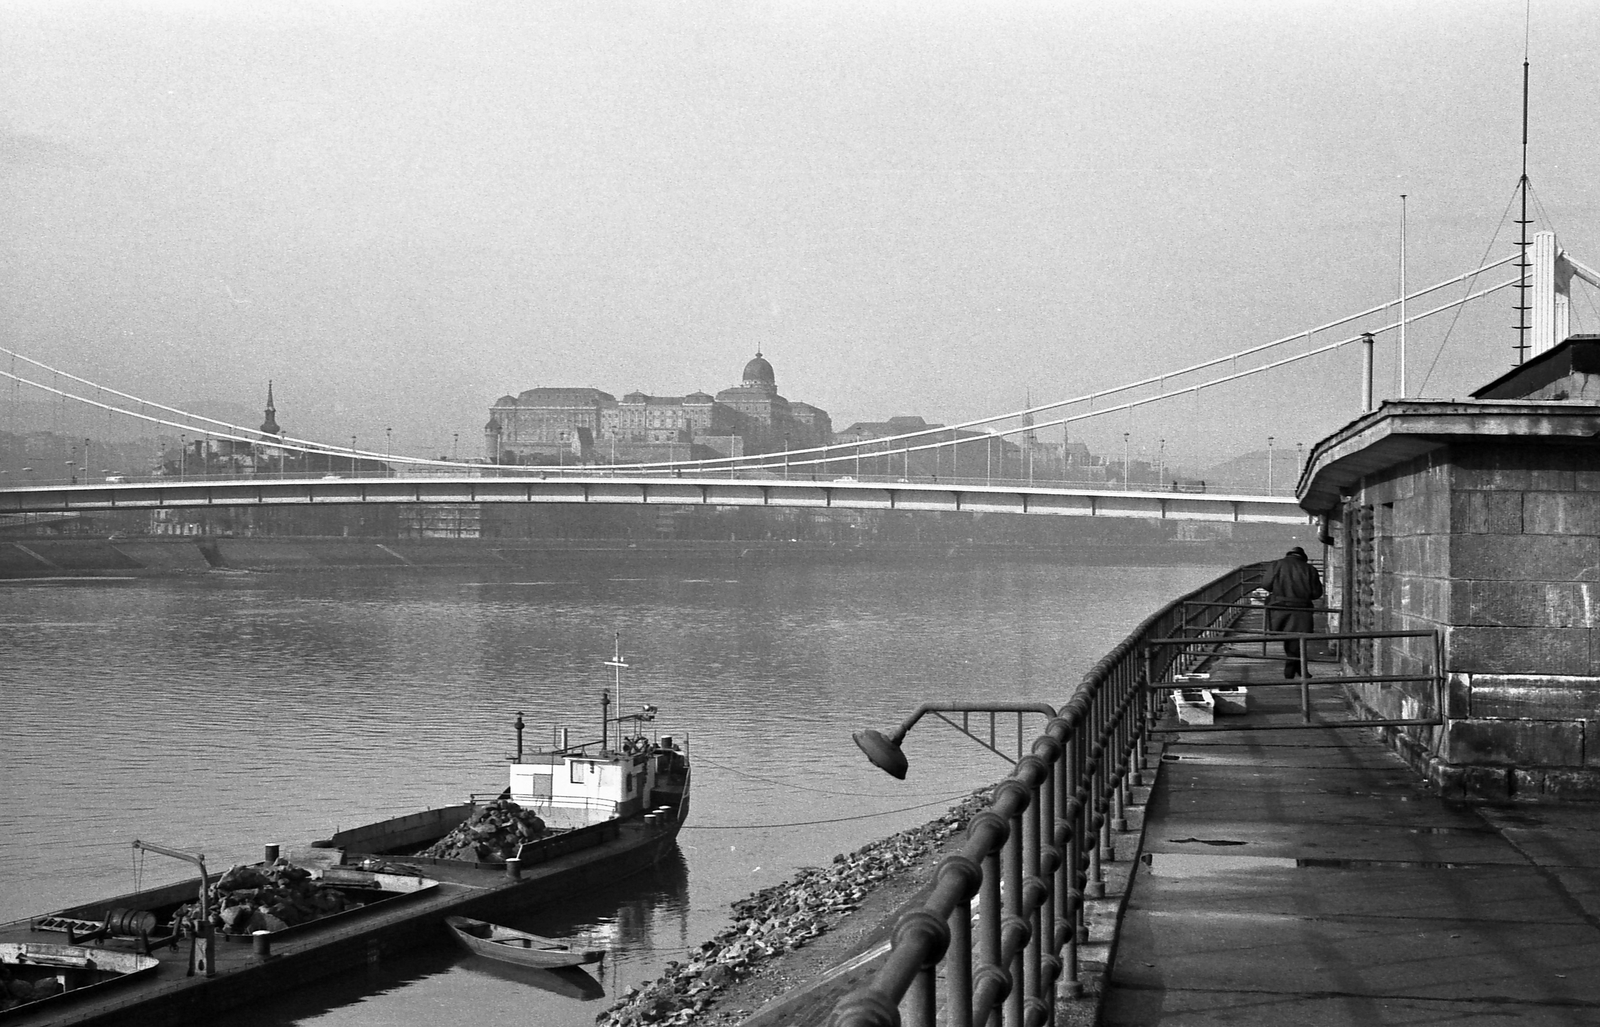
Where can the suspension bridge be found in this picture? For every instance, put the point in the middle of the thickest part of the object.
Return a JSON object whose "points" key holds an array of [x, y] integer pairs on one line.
{"points": [[288, 471]]}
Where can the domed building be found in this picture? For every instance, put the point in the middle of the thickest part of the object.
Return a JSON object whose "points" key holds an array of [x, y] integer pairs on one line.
{"points": [[554, 425]]}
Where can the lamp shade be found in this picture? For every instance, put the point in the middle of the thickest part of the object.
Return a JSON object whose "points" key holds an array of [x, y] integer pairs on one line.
{"points": [[884, 753]]}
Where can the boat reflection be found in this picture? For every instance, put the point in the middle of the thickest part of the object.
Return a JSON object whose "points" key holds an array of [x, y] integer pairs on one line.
{"points": [[567, 981]]}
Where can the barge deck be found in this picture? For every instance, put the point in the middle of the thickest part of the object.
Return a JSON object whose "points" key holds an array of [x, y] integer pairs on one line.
{"points": [[324, 948]]}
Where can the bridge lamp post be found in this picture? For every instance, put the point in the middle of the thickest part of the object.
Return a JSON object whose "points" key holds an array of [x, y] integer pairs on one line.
{"points": [[388, 447], [455, 447], [1127, 467], [1269, 465], [352, 456], [183, 455], [1299, 457], [1161, 463], [884, 752], [786, 458]]}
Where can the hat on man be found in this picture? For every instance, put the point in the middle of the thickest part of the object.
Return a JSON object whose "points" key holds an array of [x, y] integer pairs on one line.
{"points": [[1296, 551]]}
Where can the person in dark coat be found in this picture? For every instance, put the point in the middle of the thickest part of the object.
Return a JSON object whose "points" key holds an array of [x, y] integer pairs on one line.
{"points": [[1293, 587]]}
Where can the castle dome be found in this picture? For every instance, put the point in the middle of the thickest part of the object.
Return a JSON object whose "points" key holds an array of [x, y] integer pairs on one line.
{"points": [[759, 372]]}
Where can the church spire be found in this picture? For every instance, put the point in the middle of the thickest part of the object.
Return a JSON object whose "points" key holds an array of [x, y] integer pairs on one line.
{"points": [[270, 425]]}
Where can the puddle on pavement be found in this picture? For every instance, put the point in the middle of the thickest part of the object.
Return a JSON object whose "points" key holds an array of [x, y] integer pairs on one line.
{"points": [[1184, 864], [1192, 865]]}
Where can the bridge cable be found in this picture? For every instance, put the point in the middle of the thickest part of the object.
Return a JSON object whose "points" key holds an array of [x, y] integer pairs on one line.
{"points": [[853, 448], [772, 461]]}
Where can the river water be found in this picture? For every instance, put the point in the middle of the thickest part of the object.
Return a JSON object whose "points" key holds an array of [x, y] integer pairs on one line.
{"points": [[218, 713]]}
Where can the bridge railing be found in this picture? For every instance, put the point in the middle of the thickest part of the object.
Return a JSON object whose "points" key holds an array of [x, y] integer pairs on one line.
{"points": [[1034, 857]]}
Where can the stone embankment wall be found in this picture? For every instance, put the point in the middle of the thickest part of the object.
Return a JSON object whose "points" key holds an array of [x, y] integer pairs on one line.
{"points": [[781, 919]]}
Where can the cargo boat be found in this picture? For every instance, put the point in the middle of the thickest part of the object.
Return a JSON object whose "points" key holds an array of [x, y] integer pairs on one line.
{"points": [[610, 809]]}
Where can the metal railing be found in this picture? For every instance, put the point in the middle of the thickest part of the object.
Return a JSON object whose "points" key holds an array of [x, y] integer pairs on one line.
{"points": [[1197, 649], [1034, 857]]}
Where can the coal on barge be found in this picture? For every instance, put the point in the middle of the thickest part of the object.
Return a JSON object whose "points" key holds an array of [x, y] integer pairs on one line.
{"points": [[570, 818]]}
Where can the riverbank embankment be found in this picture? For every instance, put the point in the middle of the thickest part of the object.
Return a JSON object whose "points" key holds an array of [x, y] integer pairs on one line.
{"points": [[163, 556]]}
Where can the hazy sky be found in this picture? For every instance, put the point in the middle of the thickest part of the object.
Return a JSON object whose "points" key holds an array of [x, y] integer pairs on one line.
{"points": [[399, 211]]}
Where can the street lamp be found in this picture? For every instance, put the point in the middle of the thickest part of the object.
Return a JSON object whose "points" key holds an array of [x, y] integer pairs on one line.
{"points": [[1161, 464], [183, 454], [884, 750], [455, 447], [352, 456], [1127, 468], [388, 447], [1299, 457], [1269, 465]]}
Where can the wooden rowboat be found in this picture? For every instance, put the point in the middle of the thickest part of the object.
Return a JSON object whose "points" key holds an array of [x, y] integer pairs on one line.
{"points": [[512, 946]]}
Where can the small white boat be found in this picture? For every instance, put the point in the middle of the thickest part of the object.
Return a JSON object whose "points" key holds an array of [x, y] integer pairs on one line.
{"points": [[520, 947]]}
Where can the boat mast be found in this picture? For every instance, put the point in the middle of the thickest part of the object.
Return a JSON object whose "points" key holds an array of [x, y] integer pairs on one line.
{"points": [[617, 667], [1523, 263]]}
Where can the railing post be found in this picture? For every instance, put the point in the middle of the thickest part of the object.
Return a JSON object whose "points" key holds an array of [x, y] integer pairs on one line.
{"points": [[958, 960], [1071, 836], [1095, 886], [1015, 911], [989, 909], [1147, 698], [920, 1007], [1303, 645]]}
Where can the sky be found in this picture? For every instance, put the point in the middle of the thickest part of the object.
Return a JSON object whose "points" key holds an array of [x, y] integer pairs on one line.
{"points": [[399, 211]]}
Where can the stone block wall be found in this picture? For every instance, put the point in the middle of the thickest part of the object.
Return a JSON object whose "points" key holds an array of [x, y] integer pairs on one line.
{"points": [[1497, 544]]}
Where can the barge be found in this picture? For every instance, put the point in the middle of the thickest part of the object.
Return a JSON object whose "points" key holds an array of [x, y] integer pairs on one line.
{"points": [[596, 812]]}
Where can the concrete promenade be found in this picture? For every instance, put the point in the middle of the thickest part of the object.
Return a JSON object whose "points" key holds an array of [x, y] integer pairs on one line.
{"points": [[1309, 877]]}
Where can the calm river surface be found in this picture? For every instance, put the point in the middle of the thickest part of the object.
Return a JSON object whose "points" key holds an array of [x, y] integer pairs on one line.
{"points": [[222, 712]]}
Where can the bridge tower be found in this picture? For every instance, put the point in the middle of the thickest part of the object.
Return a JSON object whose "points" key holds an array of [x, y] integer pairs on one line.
{"points": [[1553, 270]]}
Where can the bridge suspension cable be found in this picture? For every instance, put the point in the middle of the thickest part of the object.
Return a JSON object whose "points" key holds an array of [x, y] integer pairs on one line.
{"points": [[844, 450], [879, 447]]}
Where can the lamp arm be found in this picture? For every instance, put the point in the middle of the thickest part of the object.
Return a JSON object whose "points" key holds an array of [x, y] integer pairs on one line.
{"points": [[898, 734]]}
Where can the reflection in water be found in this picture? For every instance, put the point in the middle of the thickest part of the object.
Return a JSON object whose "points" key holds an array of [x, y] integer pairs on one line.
{"points": [[570, 982], [218, 713]]}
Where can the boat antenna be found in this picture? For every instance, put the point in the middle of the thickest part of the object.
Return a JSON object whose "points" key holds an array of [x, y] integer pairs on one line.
{"points": [[1523, 263], [617, 667]]}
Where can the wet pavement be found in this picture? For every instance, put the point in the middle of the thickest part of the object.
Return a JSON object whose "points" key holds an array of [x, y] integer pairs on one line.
{"points": [[1310, 877]]}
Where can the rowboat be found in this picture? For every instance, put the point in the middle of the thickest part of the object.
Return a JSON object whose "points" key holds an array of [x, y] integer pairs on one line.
{"points": [[513, 946]]}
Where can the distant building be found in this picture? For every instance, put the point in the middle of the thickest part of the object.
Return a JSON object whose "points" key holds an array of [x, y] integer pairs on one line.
{"points": [[578, 426], [974, 455]]}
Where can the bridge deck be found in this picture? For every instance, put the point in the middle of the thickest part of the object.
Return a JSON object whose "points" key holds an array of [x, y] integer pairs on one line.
{"points": [[921, 496]]}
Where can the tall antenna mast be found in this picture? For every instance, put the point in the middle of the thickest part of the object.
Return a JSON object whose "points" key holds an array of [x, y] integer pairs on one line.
{"points": [[1522, 186], [1402, 358]]}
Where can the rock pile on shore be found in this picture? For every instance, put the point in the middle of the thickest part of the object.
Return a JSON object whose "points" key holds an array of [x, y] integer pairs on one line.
{"points": [[781, 918], [248, 899], [492, 834]]}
